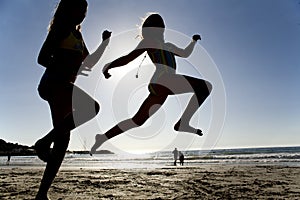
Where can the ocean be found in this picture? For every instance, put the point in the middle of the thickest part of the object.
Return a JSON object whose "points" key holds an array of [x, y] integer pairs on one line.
{"points": [[288, 156]]}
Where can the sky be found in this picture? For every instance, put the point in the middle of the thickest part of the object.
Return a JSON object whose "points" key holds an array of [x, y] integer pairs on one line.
{"points": [[250, 47]]}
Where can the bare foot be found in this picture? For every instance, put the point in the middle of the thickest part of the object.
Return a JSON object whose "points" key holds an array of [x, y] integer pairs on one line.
{"points": [[100, 139], [186, 128]]}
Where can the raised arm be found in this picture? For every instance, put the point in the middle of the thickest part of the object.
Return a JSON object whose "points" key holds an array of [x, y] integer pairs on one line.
{"points": [[122, 60], [186, 52], [92, 59]]}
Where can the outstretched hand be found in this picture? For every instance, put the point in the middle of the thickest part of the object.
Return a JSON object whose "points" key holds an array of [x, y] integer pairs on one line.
{"points": [[106, 34], [105, 71], [196, 37]]}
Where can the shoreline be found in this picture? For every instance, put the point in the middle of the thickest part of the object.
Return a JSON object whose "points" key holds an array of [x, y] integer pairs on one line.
{"points": [[41, 166], [212, 181], [145, 162]]}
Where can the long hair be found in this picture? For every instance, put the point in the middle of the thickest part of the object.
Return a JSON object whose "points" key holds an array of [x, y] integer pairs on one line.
{"points": [[62, 14]]}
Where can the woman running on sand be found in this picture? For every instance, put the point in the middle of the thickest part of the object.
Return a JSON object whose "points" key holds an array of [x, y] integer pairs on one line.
{"points": [[164, 82], [64, 54]]}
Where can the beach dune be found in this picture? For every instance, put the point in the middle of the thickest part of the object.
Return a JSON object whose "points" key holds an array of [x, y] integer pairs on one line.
{"points": [[201, 182]]}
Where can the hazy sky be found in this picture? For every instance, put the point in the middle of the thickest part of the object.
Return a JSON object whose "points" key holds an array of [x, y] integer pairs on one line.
{"points": [[254, 44]]}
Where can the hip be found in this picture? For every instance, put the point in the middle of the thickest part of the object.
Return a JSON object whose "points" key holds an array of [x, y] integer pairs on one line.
{"points": [[50, 88]]}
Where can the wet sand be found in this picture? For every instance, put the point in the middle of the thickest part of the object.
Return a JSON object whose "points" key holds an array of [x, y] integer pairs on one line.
{"points": [[201, 182]]}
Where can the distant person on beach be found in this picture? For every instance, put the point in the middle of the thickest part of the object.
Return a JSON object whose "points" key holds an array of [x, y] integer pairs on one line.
{"points": [[64, 55], [164, 82], [8, 158], [181, 158], [175, 153]]}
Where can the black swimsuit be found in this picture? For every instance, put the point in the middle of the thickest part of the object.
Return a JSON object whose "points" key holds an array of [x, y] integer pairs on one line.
{"points": [[165, 64]]}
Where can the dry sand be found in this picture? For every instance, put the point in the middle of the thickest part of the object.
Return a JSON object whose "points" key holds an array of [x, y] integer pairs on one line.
{"points": [[202, 182]]}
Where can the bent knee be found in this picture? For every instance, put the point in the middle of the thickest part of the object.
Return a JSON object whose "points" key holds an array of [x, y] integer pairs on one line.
{"points": [[63, 138], [139, 121], [97, 107], [208, 86]]}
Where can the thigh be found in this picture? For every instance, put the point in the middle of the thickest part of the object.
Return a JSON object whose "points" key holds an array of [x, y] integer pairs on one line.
{"points": [[70, 99], [151, 104], [84, 106], [83, 102], [179, 84], [60, 101]]}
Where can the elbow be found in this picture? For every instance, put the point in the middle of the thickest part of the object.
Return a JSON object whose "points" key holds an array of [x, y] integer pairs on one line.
{"points": [[184, 55], [41, 61]]}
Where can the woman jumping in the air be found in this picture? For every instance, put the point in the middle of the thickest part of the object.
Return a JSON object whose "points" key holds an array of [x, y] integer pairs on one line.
{"points": [[164, 82], [64, 54]]}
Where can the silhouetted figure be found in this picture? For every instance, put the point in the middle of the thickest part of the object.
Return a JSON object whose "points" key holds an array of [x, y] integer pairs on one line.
{"points": [[175, 153], [64, 55], [8, 159], [181, 158], [164, 81]]}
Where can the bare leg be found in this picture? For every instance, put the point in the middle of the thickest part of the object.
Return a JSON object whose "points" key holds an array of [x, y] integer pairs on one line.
{"points": [[151, 104], [42, 146], [116, 130], [184, 122], [201, 90], [53, 165], [179, 84], [68, 111], [80, 108]]}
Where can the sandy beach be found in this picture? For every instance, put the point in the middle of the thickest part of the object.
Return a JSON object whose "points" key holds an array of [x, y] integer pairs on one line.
{"points": [[201, 182]]}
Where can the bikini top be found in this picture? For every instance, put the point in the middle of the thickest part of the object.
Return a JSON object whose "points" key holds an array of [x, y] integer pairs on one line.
{"points": [[73, 43], [69, 55], [163, 57]]}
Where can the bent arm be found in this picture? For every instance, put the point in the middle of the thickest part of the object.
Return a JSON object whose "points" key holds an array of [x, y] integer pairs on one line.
{"points": [[186, 52], [124, 60], [46, 57], [92, 59]]}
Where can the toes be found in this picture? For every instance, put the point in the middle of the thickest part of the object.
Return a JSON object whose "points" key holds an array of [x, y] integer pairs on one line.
{"points": [[176, 126], [199, 132]]}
